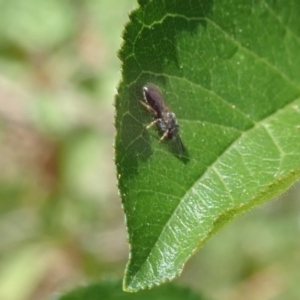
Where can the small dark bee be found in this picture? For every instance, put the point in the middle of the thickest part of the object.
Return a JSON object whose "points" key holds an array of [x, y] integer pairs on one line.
{"points": [[164, 118]]}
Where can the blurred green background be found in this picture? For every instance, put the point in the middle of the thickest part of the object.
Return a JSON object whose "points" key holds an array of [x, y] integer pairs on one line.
{"points": [[61, 222]]}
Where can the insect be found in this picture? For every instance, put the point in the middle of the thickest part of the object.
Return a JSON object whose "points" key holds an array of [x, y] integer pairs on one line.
{"points": [[164, 118]]}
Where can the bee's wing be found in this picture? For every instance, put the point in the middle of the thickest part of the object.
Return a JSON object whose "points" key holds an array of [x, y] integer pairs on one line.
{"points": [[154, 98], [179, 145]]}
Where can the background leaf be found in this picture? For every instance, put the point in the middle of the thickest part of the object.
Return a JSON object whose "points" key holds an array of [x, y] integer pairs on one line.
{"points": [[60, 217], [112, 291], [230, 71]]}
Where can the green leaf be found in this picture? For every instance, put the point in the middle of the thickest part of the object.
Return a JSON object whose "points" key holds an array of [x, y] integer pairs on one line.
{"points": [[112, 291], [230, 71]]}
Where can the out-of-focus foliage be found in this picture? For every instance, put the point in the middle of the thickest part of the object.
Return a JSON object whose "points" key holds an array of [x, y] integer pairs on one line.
{"points": [[60, 216], [61, 223], [111, 291]]}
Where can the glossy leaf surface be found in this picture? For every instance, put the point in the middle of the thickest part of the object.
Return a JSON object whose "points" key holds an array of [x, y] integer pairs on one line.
{"points": [[230, 71]]}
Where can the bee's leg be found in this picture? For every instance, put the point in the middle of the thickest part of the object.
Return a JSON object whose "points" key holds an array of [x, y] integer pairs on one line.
{"points": [[149, 108], [152, 123], [164, 135]]}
